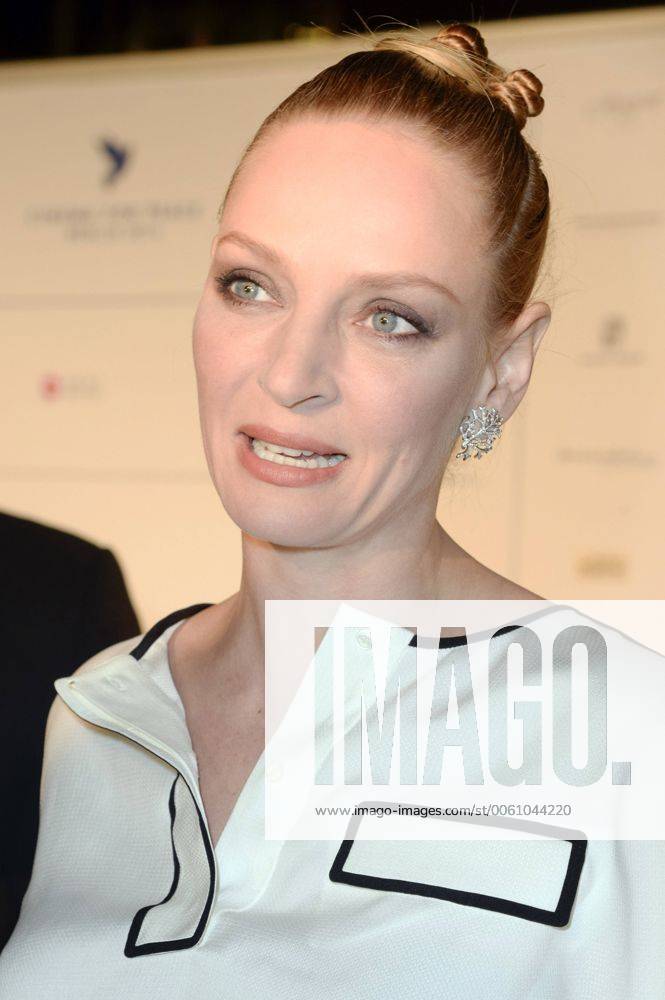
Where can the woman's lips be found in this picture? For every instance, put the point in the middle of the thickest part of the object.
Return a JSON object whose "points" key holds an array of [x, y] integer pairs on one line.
{"points": [[290, 440], [283, 475]]}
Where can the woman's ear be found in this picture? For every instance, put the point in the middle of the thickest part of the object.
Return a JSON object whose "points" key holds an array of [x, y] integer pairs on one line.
{"points": [[512, 360]]}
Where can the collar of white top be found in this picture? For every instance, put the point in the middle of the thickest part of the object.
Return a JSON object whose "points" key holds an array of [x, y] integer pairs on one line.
{"points": [[127, 695], [120, 694]]}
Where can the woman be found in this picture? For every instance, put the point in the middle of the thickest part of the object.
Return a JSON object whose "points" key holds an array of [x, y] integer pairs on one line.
{"points": [[369, 287]]}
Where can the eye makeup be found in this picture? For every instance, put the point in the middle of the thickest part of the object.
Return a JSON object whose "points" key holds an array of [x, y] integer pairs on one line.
{"points": [[422, 329], [224, 281]]}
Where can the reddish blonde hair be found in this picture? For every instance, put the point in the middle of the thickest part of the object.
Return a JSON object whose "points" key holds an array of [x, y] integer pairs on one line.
{"points": [[453, 93]]}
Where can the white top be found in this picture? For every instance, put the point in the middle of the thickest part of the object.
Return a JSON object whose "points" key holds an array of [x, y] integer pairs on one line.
{"points": [[130, 901]]}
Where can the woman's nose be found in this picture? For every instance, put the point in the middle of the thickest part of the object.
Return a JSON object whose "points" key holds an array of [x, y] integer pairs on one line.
{"points": [[301, 364]]}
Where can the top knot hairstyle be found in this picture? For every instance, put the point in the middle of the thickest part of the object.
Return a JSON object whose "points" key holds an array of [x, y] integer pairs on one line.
{"points": [[452, 92], [460, 51]]}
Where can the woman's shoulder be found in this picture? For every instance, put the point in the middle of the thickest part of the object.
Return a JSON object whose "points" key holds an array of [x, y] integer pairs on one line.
{"points": [[60, 718], [121, 648]]}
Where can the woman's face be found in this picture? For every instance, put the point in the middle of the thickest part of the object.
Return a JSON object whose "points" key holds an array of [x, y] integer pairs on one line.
{"points": [[343, 306]]}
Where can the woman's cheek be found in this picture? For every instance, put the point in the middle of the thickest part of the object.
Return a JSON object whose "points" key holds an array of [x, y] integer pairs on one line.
{"points": [[218, 355]]}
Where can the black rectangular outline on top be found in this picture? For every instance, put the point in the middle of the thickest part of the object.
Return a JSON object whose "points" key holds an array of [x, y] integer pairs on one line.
{"points": [[558, 917]]}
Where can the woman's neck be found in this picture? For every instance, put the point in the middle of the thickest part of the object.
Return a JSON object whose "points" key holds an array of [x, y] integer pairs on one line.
{"points": [[410, 566]]}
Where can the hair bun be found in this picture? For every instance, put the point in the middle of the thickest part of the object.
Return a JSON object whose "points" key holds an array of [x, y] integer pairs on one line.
{"points": [[519, 91], [464, 37]]}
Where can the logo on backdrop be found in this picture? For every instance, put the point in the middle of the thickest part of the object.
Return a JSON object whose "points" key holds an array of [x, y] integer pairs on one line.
{"points": [[53, 386], [612, 345], [104, 217], [116, 159]]}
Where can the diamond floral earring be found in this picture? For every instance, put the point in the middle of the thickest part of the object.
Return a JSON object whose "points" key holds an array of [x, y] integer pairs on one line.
{"points": [[479, 430]]}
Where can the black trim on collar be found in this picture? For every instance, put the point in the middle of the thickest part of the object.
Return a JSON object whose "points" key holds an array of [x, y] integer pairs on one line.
{"points": [[156, 630], [554, 918], [132, 949], [461, 640], [175, 616]]}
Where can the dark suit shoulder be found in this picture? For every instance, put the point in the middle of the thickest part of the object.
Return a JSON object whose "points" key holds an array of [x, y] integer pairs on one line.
{"points": [[23, 534]]}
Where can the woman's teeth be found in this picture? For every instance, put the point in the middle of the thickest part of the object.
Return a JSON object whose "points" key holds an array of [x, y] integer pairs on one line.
{"points": [[290, 456]]}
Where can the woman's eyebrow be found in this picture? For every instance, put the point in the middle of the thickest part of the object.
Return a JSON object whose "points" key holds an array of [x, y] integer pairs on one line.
{"points": [[234, 236], [397, 278], [368, 280]]}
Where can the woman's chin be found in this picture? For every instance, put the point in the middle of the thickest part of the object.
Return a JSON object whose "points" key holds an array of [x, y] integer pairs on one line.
{"points": [[285, 528]]}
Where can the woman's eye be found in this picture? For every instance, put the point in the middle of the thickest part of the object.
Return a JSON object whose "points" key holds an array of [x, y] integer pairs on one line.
{"points": [[394, 326], [240, 289]]}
